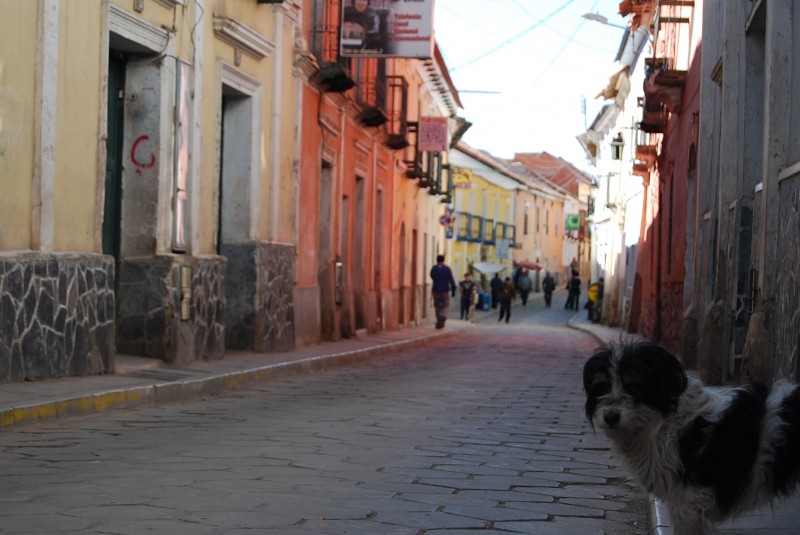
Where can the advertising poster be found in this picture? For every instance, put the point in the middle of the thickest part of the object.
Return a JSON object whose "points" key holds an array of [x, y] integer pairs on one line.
{"points": [[387, 28]]}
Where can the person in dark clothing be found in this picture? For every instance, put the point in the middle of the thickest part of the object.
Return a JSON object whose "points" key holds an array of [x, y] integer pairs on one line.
{"points": [[524, 286], [548, 285], [444, 286], [591, 299], [507, 294], [468, 291], [574, 287], [495, 285], [598, 305]]}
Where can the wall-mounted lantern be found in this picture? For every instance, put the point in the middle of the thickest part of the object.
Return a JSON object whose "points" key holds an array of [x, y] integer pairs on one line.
{"points": [[617, 145]]}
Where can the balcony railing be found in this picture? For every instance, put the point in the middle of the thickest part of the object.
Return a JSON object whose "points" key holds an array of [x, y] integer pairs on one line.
{"points": [[397, 112], [476, 229], [469, 227], [371, 91], [488, 231]]}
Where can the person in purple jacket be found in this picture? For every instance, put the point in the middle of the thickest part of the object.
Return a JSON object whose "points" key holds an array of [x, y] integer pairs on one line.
{"points": [[444, 286]]}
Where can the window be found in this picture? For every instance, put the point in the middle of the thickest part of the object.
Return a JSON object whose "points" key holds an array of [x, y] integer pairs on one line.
{"points": [[488, 230], [547, 222], [325, 33], [525, 219]]}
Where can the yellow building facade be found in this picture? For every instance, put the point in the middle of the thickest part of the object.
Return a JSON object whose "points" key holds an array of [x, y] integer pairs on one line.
{"points": [[484, 233], [508, 217], [145, 148]]}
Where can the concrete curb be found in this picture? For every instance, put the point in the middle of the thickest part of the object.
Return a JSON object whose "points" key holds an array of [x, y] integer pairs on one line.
{"points": [[186, 389], [659, 517], [657, 512]]}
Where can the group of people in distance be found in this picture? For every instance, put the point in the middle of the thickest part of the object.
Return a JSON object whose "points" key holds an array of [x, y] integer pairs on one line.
{"points": [[503, 292]]}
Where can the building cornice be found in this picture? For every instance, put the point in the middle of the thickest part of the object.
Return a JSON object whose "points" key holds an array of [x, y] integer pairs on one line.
{"points": [[242, 37]]}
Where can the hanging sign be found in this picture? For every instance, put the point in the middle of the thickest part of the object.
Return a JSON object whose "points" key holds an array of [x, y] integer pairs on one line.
{"points": [[573, 222], [387, 28], [432, 132]]}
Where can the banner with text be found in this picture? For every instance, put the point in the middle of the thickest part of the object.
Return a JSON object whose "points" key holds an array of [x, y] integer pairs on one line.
{"points": [[387, 28]]}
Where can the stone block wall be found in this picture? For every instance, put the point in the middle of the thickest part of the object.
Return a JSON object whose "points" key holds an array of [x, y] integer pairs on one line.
{"points": [[209, 308], [149, 313], [259, 287], [56, 315], [275, 328]]}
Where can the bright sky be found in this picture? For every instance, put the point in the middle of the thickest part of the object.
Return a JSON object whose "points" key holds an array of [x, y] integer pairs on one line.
{"points": [[542, 57]]}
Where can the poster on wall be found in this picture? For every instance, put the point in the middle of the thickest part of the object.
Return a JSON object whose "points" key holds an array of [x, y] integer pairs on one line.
{"points": [[387, 28]]}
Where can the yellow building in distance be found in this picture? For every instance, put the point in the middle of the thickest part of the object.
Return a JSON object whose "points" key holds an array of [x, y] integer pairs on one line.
{"points": [[484, 234], [506, 216]]}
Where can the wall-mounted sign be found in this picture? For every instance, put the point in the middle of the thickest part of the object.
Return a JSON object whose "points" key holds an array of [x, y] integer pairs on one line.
{"points": [[460, 179], [432, 134], [501, 249], [573, 222], [387, 28]]}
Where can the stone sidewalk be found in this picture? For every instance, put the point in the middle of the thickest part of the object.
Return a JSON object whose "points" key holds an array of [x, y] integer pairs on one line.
{"points": [[141, 381]]}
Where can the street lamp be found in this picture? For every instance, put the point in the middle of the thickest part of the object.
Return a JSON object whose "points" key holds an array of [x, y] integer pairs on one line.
{"points": [[597, 17], [617, 145]]}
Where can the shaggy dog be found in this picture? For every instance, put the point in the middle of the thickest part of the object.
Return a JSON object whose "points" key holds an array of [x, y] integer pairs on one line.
{"points": [[709, 453]]}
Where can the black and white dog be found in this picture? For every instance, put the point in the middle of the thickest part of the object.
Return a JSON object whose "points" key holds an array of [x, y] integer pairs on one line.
{"points": [[709, 453]]}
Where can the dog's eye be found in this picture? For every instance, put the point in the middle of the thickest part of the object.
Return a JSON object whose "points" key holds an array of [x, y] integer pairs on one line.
{"points": [[600, 388]]}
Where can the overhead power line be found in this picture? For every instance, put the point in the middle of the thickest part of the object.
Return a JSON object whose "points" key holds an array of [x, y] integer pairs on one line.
{"points": [[514, 37]]}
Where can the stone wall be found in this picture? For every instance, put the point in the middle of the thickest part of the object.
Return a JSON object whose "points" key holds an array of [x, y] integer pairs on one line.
{"points": [[275, 330], [259, 284], [787, 284], [56, 315], [149, 313]]}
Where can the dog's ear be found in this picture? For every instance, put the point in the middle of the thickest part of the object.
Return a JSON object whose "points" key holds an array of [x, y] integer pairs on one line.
{"points": [[654, 375], [596, 378]]}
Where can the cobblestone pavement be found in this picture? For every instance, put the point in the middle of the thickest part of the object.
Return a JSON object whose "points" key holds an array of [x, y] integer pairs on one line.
{"points": [[478, 433]]}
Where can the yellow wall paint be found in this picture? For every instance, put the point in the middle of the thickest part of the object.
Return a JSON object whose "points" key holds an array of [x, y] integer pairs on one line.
{"points": [[18, 31], [77, 125]]}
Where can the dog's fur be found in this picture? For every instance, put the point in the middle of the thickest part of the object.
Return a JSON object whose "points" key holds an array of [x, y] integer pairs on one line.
{"points": [[709, 453]]}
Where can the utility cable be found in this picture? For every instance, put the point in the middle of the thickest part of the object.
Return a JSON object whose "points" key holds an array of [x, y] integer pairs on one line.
{"points": [[514, 37]]}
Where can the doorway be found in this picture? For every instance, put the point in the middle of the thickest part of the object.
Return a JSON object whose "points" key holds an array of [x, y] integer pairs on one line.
{"points": [[359, 261], [115, 136]]}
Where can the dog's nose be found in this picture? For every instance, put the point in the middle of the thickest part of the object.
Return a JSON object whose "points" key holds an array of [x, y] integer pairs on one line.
{"points": [[611, 417]]}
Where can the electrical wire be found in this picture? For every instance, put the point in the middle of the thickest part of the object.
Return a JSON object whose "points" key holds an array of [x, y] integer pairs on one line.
{"points": [[514, 37], [566, 44]]}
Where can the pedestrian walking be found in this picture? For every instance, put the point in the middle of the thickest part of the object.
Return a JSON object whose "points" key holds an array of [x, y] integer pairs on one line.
{"points": [[548, 285], [495, 285], [507, 295], [574, 287], [468, 291], [524, 286], [591, 299], [443, 287], [598, 305]]}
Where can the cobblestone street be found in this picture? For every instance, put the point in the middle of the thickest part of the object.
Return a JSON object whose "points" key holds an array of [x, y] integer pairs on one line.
{"points": [[482, 432]]}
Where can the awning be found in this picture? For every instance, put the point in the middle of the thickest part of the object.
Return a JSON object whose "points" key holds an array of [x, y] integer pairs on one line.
{"points": [[488, 267], [526, 264]]}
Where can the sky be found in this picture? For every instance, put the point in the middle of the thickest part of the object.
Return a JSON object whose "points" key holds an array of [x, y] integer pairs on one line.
{"points": [[524, 67]]}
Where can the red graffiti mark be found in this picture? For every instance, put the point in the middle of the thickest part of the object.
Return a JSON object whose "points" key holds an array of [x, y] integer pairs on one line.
{"points": [[135, 160]]}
